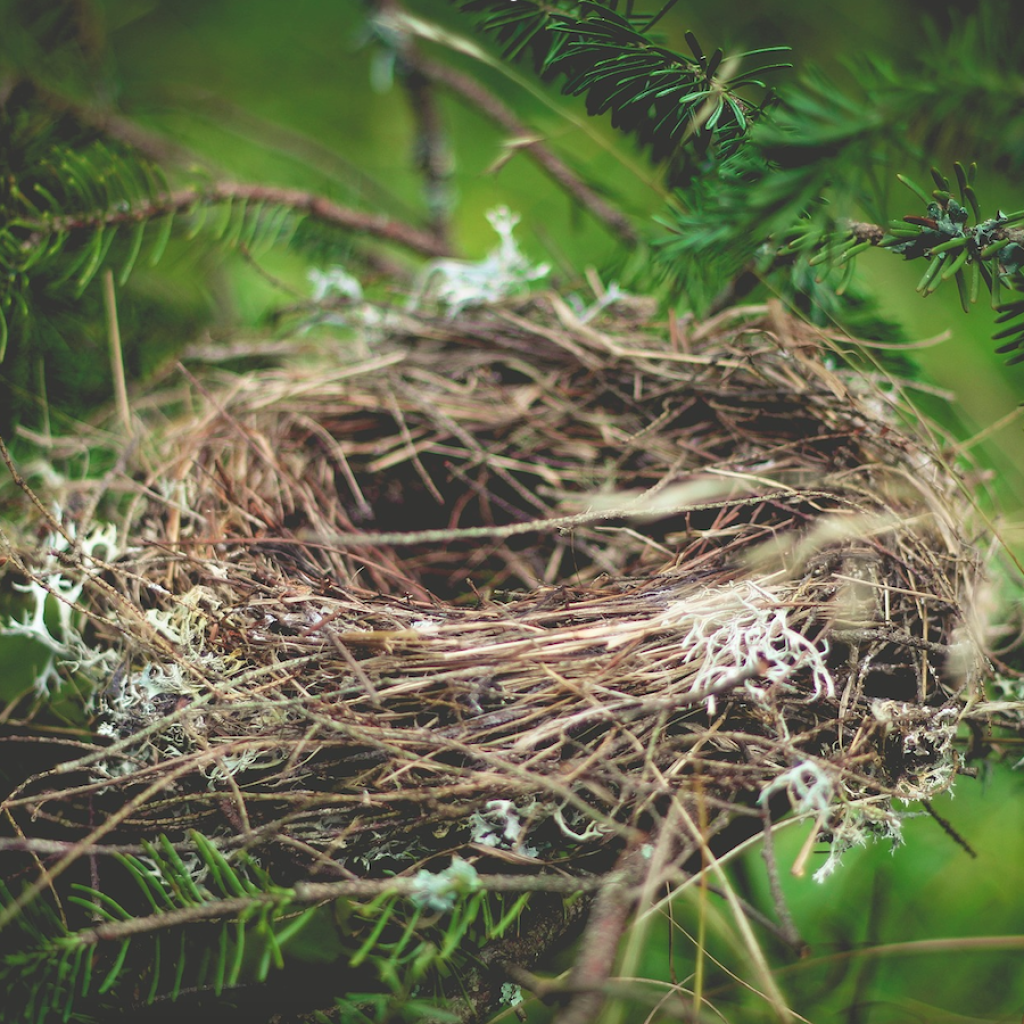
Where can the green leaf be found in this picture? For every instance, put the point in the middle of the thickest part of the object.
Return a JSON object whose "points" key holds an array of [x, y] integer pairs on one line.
{"points": [[224, 876], [220, 228], [103, 240], [175, 873], [953, 243], [931, 274], [112, 975], [235, 970], [148, 885], [990, 250], [179, 968], [162, 238], [133, 253], [386, 910], [975, 281], [220, 970], [956, 264], [86, 973], [510, 916], [915, 188], [271, 953], [963, 291], [197, 217], [154, 966], [961, 177]]}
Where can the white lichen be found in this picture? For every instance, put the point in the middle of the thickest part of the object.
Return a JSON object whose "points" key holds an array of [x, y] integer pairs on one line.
{"points": [[810, 787], [856, 827], [437, 892], [499, 825], [585, 312], [580, 828], [54, 619], [334, 283], [458, 284], [741, 633]]}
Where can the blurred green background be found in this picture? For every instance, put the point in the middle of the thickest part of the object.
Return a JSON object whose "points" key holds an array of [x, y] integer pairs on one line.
{"points": [[295, 94]]}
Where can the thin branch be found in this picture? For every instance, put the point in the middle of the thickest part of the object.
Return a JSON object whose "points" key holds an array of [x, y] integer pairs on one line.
{"points": [[116, 126], [431, 152], [661, 14], [786, 930], [748, 277], [609, 917], [312, 893], [292, 144], [116, 354], [948, 828], [492, 108], [317, 207]]}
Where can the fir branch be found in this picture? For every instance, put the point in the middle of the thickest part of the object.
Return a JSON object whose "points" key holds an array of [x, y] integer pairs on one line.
{"points": [[316, 893], [669, 102], [107, 122], [318, 207]]}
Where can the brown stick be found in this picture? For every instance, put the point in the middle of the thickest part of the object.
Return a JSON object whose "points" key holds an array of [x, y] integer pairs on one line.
{"points": [[608, 920], [318, 207], [492, 108], [430, 150]]}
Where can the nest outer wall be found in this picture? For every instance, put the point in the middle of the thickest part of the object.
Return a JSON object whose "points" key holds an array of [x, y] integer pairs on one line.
{"points": [[520, 590]]}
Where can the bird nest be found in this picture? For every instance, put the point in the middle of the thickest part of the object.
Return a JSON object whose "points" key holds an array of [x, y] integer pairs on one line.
{"points": [[510, 602]]}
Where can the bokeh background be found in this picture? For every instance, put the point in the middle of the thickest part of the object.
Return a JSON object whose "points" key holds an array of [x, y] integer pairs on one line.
{"points": [[295, 94]]}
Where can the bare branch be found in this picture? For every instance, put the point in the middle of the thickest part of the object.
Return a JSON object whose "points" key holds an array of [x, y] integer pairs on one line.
{"points": [[431, 152], [491, 107]]}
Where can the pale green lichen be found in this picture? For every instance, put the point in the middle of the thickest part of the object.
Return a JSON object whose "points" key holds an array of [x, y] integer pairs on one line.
{"points": [[511, 995], [54, 620], [505, 271], [437, 892]]}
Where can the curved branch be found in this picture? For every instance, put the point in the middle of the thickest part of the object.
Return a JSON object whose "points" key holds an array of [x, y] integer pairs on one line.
{"points": [[318, 207]]}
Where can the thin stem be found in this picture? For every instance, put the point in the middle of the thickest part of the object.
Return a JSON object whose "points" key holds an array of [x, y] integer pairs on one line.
{"points": [[661, 14], [431, 151], [609, 917], [317, 207], [787, 929], [525, 139], [116, 354]]}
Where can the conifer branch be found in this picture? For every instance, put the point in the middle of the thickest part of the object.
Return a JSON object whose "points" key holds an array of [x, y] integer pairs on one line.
{"points": [[113, 125], [673, 104], [318, 207]]}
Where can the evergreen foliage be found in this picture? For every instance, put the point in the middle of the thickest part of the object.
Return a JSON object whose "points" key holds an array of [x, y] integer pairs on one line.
{"points": [[773, 186], [779, 188], [207, 922], [685, 108]]}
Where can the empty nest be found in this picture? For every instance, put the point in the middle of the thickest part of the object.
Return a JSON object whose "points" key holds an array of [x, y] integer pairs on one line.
{"points": [[517, 589]]}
